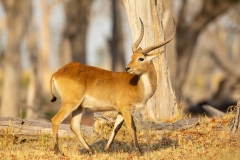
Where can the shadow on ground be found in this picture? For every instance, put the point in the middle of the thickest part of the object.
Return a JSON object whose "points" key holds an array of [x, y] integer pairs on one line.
{"points": [[128, 147]]}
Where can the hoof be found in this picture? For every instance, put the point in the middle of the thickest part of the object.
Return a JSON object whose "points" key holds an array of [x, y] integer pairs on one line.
{"points": [[56, 149], [107, 150], [59, 153], [140, 151], [89, 151]]}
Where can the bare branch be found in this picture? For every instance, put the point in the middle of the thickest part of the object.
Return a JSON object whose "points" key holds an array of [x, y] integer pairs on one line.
{"points": [[211, 10]]}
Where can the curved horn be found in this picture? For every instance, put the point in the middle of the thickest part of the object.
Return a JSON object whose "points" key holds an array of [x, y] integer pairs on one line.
{"points": [[135, 45], [146, 50]]}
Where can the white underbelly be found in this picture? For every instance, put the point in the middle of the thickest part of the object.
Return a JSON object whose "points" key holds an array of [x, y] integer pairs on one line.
{"points": [[93, 104]]}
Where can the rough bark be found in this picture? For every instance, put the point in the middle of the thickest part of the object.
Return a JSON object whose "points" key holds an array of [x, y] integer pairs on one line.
{"points": [[116, 42], [17, 13], [170, 47], [77, 20], [163, 104]]}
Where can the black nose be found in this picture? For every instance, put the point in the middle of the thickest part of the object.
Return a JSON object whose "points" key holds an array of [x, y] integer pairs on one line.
{"points": [[127, 68]]}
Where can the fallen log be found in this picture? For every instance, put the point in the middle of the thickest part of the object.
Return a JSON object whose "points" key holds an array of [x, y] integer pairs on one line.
{"points": [[145, 125], [213, 112], [178, 125], [20, 127]]}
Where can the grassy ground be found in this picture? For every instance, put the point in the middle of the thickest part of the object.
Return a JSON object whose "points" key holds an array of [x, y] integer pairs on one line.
{"points": [[208, 140]]}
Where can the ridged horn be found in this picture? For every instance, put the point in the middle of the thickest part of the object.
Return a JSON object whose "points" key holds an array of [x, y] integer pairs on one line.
{"points": [[135, 45], [146, 50]]}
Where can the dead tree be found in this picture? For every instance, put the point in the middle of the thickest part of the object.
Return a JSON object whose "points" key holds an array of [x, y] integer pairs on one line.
{"points": [[235, 121]]}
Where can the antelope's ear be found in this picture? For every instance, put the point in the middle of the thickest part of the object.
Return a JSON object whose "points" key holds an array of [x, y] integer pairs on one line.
{"points": [[154, 55], [139, 49]]}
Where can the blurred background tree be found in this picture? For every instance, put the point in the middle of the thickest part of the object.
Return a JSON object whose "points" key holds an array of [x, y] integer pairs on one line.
{"points": [[194, 24], [77, 20], [39, 36], [116, 44], [17, 15]]}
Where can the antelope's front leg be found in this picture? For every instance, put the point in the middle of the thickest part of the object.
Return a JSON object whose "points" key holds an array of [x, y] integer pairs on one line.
{"points": [[128, 118]]}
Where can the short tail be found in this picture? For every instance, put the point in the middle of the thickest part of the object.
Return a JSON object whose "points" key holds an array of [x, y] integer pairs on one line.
{"points": [[54, 98]]}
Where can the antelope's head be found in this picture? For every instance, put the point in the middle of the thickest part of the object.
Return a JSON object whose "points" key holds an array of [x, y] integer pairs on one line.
{"points": [[141, 58]]}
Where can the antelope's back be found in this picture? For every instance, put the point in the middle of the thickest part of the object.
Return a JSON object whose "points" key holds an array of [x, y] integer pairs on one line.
{"points": [[75, 79]]}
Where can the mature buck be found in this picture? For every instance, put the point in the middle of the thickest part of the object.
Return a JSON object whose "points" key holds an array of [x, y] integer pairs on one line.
{"points": [[83, 87]]}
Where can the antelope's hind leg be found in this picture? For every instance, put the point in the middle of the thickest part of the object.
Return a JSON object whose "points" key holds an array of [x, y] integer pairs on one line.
{"points": [[75, 127], [65, 110], [117, 126]]}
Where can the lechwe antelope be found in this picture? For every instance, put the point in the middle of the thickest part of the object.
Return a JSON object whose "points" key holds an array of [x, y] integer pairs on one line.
{"points": [[85, 87]]}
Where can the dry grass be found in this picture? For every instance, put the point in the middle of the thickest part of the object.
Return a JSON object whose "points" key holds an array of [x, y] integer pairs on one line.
{"points": [[208, 140]]}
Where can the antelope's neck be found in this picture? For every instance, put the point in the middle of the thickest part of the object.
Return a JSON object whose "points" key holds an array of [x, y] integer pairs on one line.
{"points": [[149, 82]]}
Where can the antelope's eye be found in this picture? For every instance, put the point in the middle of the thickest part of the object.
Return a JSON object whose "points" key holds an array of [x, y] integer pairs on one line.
{"points": [[141, 59]]}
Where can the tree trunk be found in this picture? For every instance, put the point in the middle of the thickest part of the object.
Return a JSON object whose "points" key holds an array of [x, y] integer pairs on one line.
{"points": [[162, 105], [64, 53], [77, 19], [32, 47], [116, 42], [170, 47], [17, 13], [44, 49]]}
